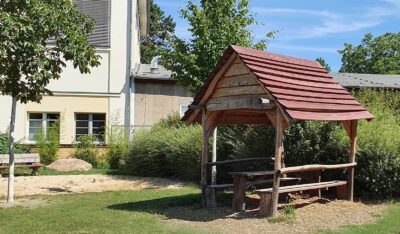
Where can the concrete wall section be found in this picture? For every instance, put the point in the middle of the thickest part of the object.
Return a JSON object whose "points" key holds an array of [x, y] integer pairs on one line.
{"points": [[155, 101]]}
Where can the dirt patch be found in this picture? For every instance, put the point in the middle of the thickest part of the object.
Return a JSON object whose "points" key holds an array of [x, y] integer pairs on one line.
{"points": [[25, 202], [312, 215], [50, 185]]}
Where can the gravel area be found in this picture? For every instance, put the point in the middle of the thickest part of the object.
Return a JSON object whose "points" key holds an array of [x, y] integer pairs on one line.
{"points": [[61, 184], [312, 215]]}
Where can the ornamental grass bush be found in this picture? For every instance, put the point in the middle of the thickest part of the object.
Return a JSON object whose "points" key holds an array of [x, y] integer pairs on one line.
{"points": [[48, 144], [166, 151]]}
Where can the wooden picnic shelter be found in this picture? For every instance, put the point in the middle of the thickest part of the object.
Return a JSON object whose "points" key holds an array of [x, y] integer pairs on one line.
{"points": [[250, 86]]}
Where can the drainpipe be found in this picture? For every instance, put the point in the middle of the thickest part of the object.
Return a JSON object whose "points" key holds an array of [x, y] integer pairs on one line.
{"points": [[128, 101]]}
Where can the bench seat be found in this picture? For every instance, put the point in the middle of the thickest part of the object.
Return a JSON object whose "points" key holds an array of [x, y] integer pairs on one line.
{"points": [[304, 187], [266, 194], [250, 183], [35, 167]]}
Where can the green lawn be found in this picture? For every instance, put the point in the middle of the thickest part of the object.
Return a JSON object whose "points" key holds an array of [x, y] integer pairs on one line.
{"points": [[132, 212], [389, 223], [108, 212]]}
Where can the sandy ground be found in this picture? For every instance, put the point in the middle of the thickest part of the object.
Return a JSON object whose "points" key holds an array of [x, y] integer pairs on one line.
{"points": [[50, 185], [312, 215]]}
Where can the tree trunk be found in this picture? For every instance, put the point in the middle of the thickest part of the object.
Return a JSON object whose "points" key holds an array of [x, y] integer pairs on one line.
{"points": [[10, 194]]}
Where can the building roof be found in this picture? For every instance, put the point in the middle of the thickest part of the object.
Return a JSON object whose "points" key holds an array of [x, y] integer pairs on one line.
{"points": [[143, 72], [301, 88], [356, 80]]}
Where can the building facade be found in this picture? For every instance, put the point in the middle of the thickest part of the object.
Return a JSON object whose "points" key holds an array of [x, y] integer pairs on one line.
{"points": [[157, 95], [89, 103]]}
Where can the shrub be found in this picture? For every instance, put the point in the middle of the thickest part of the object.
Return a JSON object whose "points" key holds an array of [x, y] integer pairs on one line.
{"points": [[378, 155], [19, 148], [118, 147], [86, 150], [48, 144]]}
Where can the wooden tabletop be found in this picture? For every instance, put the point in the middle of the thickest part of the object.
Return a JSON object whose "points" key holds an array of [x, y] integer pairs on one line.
{"points": [[252, 173]]}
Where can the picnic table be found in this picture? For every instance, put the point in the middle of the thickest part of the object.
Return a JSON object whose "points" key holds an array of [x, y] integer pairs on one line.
{"points": [[241, 181]]}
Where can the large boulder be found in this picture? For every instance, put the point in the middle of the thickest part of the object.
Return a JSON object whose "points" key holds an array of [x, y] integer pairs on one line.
{"points": [[70, 164]]}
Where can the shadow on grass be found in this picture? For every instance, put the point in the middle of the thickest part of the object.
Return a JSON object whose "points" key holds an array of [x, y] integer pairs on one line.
{"points": [[188, 207], [184, 207]]}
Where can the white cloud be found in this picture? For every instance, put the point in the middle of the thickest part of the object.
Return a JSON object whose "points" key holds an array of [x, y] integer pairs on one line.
{"points": [[264, 10], [328, 22], [332, 27]]}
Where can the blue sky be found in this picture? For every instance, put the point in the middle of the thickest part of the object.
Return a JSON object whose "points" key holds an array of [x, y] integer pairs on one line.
{"points": [[311, 28]]}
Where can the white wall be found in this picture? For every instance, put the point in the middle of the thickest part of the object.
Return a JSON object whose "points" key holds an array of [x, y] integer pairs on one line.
{"points": [[111, 78]]}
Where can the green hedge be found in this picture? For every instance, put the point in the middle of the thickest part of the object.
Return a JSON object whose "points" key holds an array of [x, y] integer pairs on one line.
{"points": [[173, 150]]}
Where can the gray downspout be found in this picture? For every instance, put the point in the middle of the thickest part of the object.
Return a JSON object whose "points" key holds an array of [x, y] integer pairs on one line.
{"points": [[128, 69]]}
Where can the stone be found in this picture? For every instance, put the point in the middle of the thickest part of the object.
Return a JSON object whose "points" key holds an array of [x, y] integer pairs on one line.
{"points": [[71, 164]]}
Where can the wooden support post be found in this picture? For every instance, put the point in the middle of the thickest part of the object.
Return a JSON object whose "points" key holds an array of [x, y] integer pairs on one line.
{"points": [[214, 158], [265, 204], [239, 186], [352, 159], [204, 159], [212, 203], [277, 164]]}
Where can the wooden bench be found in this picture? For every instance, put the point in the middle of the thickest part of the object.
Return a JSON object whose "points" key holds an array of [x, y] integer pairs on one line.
{"points": [[266, 194], [31, 161], [270, 195]]}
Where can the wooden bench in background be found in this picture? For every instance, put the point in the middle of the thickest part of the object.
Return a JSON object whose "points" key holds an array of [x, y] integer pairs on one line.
{"points": [[31, 161], [266, 194]]}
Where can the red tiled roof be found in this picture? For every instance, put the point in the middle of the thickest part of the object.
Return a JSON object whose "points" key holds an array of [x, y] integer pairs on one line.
{"points": [[303, 88]]}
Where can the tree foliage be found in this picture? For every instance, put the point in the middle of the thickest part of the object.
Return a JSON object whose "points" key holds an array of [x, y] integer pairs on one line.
{"points": [[162, 29], [214, 25], [27, 62], [324, 64], [379, 55]]}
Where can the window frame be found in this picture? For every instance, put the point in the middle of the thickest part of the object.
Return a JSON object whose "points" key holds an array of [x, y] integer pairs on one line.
{"points": [[44, 122], [90, 126]]}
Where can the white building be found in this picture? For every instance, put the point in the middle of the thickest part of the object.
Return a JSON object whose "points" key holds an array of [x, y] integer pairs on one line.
{"points": [[85, 104]]}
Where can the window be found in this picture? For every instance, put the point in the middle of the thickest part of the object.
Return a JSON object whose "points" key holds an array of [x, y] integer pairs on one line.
{"points": [[41, 122], [100, 12], [183, 109], [90, 124]]}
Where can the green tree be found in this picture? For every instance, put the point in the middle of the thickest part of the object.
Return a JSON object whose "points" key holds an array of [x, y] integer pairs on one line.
{"points": [[214, 25], [324, 64], [162, 29], [28, 63], [379, 55]]}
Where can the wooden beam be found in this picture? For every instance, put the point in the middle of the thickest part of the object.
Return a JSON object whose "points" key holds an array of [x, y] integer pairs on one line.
{"points": [[204, 159], [352, 159], [197, 107], [278, 163], [239, 90], [272, 118], [237, 80], [239, 102], [347, 128], [243, 160], [316, 167]]}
